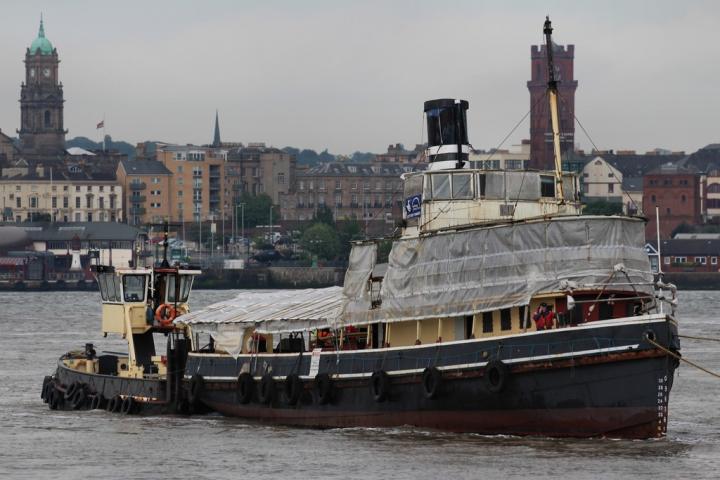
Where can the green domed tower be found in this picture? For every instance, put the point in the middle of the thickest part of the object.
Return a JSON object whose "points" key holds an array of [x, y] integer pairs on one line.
{"points": [[42, 134]]}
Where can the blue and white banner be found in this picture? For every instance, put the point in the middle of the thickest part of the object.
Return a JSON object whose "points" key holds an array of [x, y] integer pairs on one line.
{"points": [[412, 206]]}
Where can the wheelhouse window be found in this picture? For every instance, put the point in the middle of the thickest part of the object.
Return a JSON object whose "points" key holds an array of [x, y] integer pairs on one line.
{"points": [[505, 319], [441, 186], [481, 185], [134, 288], [179, 291], [109, 285], [462, 185], [547, 186]]}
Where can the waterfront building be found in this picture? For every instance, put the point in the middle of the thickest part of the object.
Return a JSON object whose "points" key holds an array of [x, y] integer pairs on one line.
{"points": [[369, 192], [147, 187], [679, 194], [398, 154], [59, 192], [257, 169], [516, 158], [691, 252], [712, 196]]}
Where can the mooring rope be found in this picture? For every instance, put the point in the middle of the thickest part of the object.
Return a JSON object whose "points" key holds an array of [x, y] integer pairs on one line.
{"points": [[709, 339], [675, 355]]}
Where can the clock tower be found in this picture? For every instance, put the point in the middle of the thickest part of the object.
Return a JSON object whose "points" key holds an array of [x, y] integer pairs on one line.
{"points": [[42, 134]]}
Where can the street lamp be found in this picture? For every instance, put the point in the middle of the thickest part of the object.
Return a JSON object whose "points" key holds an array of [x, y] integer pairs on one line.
{"points": [[271, 225]]}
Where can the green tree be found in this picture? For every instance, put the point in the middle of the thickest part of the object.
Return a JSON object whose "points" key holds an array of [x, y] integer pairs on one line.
{"points": [[257, 210], [348, 230], [321, 240], [324, 215]]}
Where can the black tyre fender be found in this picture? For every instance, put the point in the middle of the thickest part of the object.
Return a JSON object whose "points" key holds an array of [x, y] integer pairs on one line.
{"points": [[380, 385], [70, 391], [431, 382], [128, 406], [496, 375], [245, 388], [77, 401], [97, 402], [293, 388], [266, 392], [44, 390], [55, 398], [324, 388], [197, 388]]}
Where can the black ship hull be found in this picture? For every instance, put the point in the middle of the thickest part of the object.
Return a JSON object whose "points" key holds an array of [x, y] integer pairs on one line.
{"points": [[601, 380]]}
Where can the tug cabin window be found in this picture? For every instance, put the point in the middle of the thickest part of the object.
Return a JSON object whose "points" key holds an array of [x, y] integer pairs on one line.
{"points": [[134, 288], [547, 186], [109, 284], [178, 288]]}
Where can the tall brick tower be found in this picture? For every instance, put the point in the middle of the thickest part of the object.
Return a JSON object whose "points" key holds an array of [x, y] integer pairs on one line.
{"points": [[541, 147], [41, 101]]}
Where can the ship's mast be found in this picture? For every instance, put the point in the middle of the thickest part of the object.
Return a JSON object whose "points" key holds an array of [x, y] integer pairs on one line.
{"points": [[554, 115]]}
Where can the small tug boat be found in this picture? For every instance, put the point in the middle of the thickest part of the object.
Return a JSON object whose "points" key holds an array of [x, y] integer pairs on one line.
{"points": [[139, 304], [501, 310]]}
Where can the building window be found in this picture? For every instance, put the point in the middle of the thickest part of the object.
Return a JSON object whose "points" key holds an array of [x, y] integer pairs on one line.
{"points": [[77, 202], [112, 203], [77, 188], [48, 120], [54, 202], [281, 178], [683, 198], [156, 180], [487, 322], [337, 185], [179, 169], [666, 260], [101, 201], [88, 201], [155, 205], [180, 193], [101, 188], [611, 188], [65, 202], [89, 217], [713, 260], [301, 186], [653, 198], [33, 202]]}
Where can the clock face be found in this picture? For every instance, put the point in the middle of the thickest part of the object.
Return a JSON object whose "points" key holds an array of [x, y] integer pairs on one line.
{"points": [[46, 72], [32, 73]]}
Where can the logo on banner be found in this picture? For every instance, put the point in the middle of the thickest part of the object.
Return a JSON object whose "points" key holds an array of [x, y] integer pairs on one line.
{"points": [[412, 206]]}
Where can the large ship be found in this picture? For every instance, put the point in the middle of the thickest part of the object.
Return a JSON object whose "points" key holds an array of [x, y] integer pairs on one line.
{"points": [[501, 310]]}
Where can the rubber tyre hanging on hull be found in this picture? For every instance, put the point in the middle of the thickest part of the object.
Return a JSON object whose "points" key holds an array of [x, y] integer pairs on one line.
{"points": [[197, 387], [431, 382], [245, 388], [323, 388], [70, 391], [77, 401], [128, 406], [55, 398], [266, 392], [44, 390], [380, 385], [293, 388], [496, 375], [97, 402]]}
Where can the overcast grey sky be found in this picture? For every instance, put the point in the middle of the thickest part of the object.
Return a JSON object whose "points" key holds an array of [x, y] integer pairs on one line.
{"points": [[353, 75]]}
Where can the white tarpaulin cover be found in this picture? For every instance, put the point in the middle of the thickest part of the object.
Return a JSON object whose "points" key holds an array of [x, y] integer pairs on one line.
{"points": [[445, 275], [276, 311], [462, 273]]}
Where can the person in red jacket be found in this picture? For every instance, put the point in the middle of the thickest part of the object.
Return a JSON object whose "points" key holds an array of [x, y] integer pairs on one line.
{"points": [[539, 316], [549, 318]]}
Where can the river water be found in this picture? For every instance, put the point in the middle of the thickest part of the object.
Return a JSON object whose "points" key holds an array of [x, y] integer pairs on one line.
{"points": [[35, 328]]}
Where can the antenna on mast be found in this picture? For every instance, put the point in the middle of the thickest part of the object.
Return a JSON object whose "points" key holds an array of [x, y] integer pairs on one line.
{"points": [[554, 114]]}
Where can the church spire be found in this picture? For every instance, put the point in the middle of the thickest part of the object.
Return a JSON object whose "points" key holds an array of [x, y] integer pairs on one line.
{"points": [[41, 32], [216, 137]]}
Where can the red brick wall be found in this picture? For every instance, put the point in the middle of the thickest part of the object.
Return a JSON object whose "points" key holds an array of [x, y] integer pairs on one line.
{"points": [[678, 197]]}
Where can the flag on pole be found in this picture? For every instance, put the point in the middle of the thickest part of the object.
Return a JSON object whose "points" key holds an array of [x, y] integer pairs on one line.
{"points": [[100, 125]]}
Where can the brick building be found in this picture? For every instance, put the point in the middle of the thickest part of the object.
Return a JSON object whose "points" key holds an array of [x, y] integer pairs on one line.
{"points": [[679, 194], [147, 187], [541, 146], [712, 196], [370, 192], [690, 253], [259, 169]]}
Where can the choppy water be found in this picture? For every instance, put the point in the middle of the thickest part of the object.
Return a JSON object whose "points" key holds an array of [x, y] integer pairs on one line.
{"points": [[35, 328]]}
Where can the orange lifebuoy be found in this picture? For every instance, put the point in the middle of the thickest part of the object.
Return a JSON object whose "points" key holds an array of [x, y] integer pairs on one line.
{"points": [[165, 314]]}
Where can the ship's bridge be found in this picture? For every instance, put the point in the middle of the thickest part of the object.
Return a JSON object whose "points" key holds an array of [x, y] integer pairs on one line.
{"points": [[441, 199]]}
